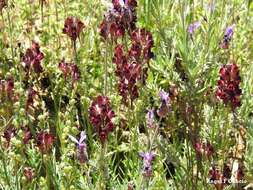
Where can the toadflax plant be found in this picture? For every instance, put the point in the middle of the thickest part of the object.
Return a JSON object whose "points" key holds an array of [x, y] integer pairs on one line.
{"points": [[73, 27], [101, 115]]}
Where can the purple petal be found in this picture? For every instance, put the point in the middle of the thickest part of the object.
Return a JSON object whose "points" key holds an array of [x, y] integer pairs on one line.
{"points": [[192, 27], [229, 31], [150, 114], [82, 137], [164, 96], [147, 156], [150, 156]]}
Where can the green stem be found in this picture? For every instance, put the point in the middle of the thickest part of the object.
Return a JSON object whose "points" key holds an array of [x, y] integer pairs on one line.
{"points": [[106, 71], [74, 51], [103, 168], [155, 135], [56, 11], [41, 7], [5, 169], [10, 31]]}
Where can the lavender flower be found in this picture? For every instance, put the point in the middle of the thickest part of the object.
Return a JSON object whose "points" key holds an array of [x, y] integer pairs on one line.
{"points": [[229, 32], [193, 27], [150, 118], [81, 147], [148, 158], [227, 37], [164, 96], [165, 104]]}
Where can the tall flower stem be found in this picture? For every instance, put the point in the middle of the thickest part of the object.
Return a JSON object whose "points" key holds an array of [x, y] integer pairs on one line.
{"points": [[2, 156], [156, 132], [74, 51], [102, 167], [10, 31], [41, 9], [56, 11], [106, 70]]}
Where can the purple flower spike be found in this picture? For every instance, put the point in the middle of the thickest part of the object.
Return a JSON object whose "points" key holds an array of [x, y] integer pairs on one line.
{"points": [[148, 158], [164, 96], [193, 27], [81, 145], [227, 37], [165, 104], [229, 32], [150, 118]]}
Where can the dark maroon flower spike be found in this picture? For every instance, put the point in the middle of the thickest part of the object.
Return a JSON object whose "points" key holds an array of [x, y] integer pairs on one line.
{"points": [[45, 142], [148, 158], [128, 72], [101, 114], [33, 58], [9, 133], [227, 37], [204, 149], [70, 69], [118, 4], [73, 27], [228, 86], [142, 43], [29, 173], [141, 50], [119, 20]]}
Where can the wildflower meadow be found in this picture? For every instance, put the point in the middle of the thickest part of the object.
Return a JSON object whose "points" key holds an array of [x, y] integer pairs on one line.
{"points": [[126, 94]]}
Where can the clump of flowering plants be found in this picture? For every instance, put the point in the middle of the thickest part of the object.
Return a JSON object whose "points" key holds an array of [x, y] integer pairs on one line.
{"points": [[126, 94]]}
